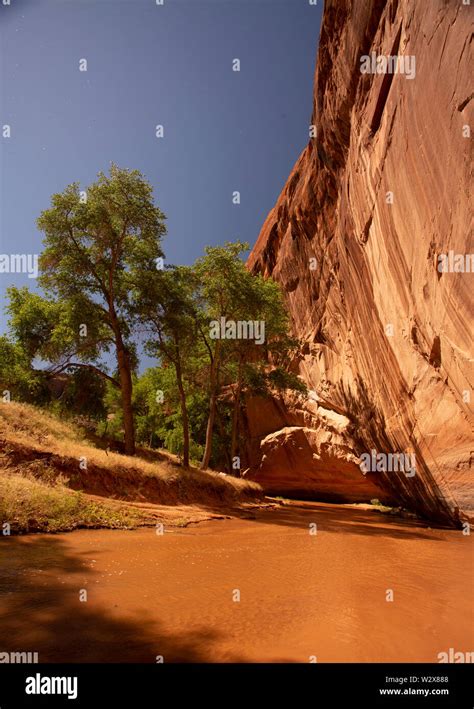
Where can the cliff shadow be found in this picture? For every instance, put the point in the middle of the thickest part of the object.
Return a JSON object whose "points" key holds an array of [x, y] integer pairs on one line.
{"points": [[345, 520], [420, 493]]}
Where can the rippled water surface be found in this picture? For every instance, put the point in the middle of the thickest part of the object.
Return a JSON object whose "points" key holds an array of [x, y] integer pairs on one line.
{"points": [[301, 594]]}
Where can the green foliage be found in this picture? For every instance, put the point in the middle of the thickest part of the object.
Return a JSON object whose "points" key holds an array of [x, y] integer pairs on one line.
{"points": [[83, 395], [17, 375], [226, 289], [49, 329], [91, 250], [116, 230], [103, 293], [157, 411], [173, 441]]}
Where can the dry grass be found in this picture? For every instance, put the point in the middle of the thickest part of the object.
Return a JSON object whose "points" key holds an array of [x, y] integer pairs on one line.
{"points": [[31, 506], [51, 478]]}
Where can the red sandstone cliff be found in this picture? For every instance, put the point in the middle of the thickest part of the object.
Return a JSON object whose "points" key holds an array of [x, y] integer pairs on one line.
{"points": [[388, 355]]}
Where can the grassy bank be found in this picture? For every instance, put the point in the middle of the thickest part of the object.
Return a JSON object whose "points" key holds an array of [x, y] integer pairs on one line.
{"points": [[53, 479]]}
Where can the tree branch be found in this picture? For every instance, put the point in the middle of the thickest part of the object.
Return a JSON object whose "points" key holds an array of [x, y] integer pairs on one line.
{"points": [[91, 367]]}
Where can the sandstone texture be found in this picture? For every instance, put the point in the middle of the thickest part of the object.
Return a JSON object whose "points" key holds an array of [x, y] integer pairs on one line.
{"points": [[374, 199]]}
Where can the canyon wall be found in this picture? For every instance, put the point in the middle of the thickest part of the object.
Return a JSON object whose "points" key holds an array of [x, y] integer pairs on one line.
{"points": [[379, 193]]}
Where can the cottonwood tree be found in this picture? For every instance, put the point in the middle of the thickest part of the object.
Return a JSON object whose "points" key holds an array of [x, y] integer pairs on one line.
{"points": [[227, 290], [219, 274], [166, 307], [259, 368], [41, 331], [92, 245], [18, 380]]}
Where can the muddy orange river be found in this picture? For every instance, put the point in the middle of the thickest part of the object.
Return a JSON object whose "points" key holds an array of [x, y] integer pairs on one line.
{"points": [[242, 590]]}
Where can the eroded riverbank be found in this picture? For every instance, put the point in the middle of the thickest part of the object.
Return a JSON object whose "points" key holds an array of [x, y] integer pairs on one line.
{"points": [[301, 594]]}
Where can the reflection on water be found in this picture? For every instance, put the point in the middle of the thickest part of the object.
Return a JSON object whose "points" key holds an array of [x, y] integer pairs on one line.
{"points": [[301, 594]]}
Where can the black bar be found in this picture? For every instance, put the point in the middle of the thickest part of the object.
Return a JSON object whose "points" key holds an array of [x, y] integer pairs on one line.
{"points": [[293, 685]]}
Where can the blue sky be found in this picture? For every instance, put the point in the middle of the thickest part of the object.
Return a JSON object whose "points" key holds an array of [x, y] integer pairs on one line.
{"points": [[149, 64]]}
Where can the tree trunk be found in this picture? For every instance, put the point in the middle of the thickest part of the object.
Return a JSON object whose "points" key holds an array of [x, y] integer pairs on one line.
{"points": [[209, 430], [212, 410], [220, 426], [125, 374], [235, 418], [125, 378], [184, 411]]}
